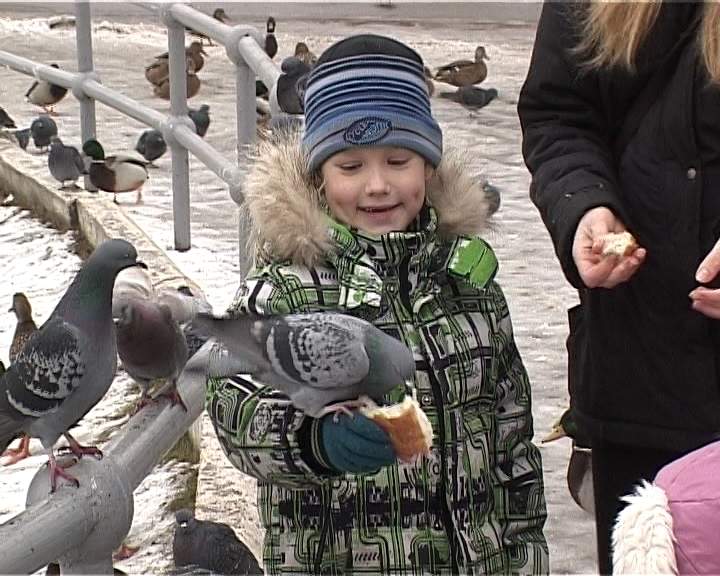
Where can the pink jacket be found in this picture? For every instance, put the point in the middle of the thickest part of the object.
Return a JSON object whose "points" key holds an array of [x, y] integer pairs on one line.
{"points": [[673, 525]]}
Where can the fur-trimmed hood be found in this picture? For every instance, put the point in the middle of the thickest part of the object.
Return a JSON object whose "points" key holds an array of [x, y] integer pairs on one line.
{"points": [[287, 215]]}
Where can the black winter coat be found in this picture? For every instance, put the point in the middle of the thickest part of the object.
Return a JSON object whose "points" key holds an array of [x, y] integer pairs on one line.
{"points": [[643, 365]]}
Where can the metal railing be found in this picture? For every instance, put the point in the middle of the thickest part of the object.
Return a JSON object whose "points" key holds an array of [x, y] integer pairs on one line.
{"points": [[81, 527]]}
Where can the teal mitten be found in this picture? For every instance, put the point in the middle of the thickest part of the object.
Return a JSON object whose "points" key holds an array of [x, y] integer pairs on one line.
{"points": [[355, 444]]}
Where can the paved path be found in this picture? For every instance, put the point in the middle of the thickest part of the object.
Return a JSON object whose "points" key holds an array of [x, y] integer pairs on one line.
{"points": [[529, 272]]}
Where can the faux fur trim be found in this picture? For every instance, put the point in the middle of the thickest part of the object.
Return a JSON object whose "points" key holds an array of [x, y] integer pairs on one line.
{"points": [[643, 540], [288, 220]]}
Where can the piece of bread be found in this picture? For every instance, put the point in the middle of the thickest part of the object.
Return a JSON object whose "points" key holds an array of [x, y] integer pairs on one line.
{"points": [[407, 425], [622, 244]]}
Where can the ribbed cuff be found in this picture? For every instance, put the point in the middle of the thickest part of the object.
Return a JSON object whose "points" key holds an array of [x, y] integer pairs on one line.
{"points": [[309, 438]]}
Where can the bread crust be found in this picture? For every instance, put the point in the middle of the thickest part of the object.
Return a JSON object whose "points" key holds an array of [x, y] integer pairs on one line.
{"points": [[618, 244], [407, 425]]}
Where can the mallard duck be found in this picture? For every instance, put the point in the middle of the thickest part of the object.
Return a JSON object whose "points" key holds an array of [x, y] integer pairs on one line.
{"points": [[115, 174], [162, 90], [220, 16], [303, 53], [194, 55], [464, 72], [271, 45], [45, 94], [472, 96], [579, 472]]}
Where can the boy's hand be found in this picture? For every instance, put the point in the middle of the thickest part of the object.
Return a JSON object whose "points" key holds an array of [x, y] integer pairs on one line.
{"points": [[355, 444], [707, 300], [595, 269]]}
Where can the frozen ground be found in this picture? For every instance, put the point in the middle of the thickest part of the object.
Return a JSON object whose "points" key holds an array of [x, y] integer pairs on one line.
{"points": [[529, 273]]}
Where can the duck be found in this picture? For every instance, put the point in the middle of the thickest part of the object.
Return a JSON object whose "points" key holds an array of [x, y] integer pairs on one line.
{"points": [[220, 16], [194, 55], [271, 45], [579, 471], [115, 174], [464, 72], [162, 90], [45, 94], [303, 53], [472, 96]]}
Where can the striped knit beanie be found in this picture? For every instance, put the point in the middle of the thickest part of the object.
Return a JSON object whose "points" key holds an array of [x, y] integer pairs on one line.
{"points": [[369, 90]]}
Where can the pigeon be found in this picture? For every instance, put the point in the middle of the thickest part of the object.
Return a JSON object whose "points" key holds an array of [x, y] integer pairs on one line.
{"points": [[151, 145], [68, 365], [41, 130], [65, 163], [5, 120], [151, 347], [201, 119], [472, 96], [45, 94], [303, 53], [24, 328], [271, 45], [211, 546], [131, 284], [325, 362], [115, 174], [291, 85]]}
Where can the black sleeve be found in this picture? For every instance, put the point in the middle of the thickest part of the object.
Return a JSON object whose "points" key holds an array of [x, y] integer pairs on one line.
{"points": [[566, 134]]}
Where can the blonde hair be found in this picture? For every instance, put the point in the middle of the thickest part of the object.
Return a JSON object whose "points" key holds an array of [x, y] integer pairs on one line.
{"points": [[612, 33]]}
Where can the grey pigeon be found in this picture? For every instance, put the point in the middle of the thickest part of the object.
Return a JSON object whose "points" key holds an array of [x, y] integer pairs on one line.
{"points": [[45, 94], [211, 546], [151, 347], [472, 96], [185, 306], [291, 85], [5, 120], [201, 119], [324, 362], [22, 137], [68, 365], [65, 163], [42, 129], [151, 145]]}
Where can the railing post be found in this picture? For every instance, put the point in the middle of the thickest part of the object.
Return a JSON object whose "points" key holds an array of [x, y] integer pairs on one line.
{"points": [[179, 110], [83, 35]]}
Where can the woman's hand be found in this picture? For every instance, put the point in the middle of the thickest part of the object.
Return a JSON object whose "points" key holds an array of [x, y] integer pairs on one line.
{"points": [[596, 270], [707, 300]]}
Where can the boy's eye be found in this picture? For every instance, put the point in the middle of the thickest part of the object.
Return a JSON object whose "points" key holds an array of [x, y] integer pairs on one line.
{"points": [[398, 161], [349, 166]]}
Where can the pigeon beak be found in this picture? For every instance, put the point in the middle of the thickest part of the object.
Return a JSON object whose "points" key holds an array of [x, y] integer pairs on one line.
{"points": [[141, 264]]}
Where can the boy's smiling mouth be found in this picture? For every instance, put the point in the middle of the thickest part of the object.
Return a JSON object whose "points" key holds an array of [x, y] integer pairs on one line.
{"points": [[374, 209]]}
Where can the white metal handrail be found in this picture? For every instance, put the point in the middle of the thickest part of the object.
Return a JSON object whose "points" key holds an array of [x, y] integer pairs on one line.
{"points": [[81, 527]]}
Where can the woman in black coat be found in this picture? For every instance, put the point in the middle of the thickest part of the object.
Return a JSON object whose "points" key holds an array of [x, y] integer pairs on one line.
{"points": [[620, 132]]}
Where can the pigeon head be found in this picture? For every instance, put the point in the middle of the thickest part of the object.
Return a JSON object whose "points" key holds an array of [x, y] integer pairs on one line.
{"points": [[94, 149], [21, 306], [185, 520], [113, 256]]}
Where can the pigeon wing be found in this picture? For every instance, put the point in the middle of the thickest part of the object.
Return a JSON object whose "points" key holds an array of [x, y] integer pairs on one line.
{"points": [[318, 351], [47, 370]]}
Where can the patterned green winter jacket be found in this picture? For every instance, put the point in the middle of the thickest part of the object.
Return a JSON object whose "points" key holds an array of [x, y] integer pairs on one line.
{"points": [[475, 504]]}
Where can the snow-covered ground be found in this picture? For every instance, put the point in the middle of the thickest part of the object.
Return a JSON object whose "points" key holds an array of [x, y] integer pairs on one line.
{"points": [[531, 277]]}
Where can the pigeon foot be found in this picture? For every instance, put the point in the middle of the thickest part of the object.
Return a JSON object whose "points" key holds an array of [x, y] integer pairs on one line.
{"points": [[78, 450], [20, 453], [125, 552], [344, 408], [58, 471], [174, 397]]}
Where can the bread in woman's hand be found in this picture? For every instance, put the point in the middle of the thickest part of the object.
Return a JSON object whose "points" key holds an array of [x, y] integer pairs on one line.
{"points": [[407, 425], [618, 244]]}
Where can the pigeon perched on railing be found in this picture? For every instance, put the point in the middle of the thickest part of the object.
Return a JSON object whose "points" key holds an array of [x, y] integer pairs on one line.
{"points": [[201, 119], [152, 347], [66, 164], [210, 545], [324, 361], [45, 94], [151, 145], [24, 329], [68, 365]]}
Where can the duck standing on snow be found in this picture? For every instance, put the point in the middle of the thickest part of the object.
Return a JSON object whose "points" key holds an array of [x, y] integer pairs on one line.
{"points": [[271, 45], [220, 16], [115, 174], [45, 94], [303, 53], [464, 72], [162, 90], [194, 54]]}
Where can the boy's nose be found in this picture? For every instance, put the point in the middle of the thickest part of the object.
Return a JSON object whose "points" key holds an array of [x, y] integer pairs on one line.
{"points": [[376, 182]]}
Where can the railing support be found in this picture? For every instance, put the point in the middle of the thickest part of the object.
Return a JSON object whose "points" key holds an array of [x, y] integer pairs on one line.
{"points": [[83, 36]]}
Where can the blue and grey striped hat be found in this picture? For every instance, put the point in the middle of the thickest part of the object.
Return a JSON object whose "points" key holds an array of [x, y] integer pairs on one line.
{"points": [[369, 90]]}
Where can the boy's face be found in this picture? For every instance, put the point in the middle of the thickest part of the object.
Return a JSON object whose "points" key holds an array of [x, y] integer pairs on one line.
{"points": [[377, 189]]}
